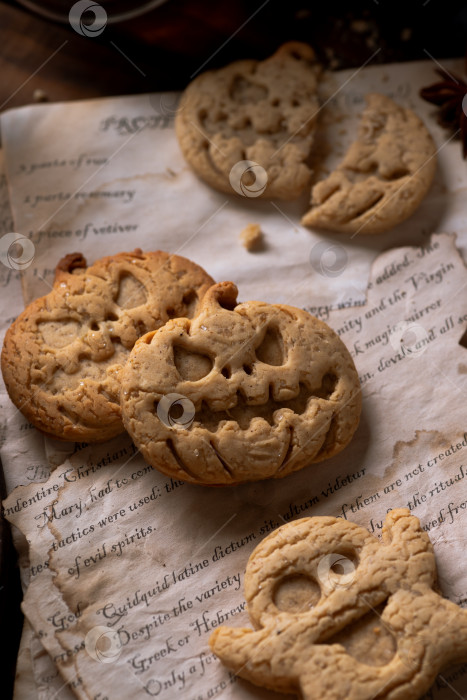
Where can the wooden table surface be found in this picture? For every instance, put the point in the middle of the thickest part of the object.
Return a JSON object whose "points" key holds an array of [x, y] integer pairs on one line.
{"points": [[157, 51]]}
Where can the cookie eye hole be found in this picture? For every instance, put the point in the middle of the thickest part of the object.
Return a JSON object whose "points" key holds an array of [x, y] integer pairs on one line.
{"points": [[226, 372], [247, 369], [271, 351], [59, 334], [244, 91], [296, 594], [328, 386], [337, 570], [131, 292], [347, 554], [397, 173], [191, 366]]}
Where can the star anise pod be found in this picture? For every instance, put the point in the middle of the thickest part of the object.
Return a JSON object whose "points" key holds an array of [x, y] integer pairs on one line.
{"points": [[450, 95]]}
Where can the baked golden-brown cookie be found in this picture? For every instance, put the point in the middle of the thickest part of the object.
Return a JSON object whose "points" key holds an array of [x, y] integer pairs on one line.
{"points": [[261, 391], [384, 176], [249, 127], [62, 357], [339, 615]]}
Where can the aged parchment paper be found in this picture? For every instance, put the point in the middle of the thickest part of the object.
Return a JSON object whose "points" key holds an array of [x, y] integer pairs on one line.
{"points": [[24, 460], [159, 563]]}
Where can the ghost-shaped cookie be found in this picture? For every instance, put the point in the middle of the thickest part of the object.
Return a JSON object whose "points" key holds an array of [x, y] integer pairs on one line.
{"points": [[339, 615]]}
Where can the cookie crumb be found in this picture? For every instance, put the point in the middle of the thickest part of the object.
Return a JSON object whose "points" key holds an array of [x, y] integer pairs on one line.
{"points": [[40, 95], [251, 237]]}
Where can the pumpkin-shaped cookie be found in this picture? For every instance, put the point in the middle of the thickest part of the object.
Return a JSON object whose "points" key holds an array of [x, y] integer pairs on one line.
{"points": [[383, 177], [62, 356], [261, 391], [249, 127]]}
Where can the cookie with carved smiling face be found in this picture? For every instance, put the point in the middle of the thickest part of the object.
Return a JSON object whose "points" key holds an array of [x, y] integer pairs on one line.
{"points": [[63, 355], [249, 127], [339, 615], [383, 177], [240, 393]]}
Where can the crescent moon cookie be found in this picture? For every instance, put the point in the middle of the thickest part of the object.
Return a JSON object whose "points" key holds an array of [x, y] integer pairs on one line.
{"points": [[384, 176], [339, 615], [62, 357], [249, 127], [240, 393]]}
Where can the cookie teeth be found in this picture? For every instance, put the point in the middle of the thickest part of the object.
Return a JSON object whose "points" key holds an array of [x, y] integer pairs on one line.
{"points": [[282, 392], [255, 394], [224, 403]]}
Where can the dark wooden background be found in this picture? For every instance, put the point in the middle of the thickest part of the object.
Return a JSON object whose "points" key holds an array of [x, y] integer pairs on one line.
{"points": [[168, 44]]}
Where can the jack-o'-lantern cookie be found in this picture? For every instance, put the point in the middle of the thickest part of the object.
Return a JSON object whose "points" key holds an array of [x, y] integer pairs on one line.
{"points": [[249, 127], [383, 177], [339, 615], [240, 393], [62, 356]]}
